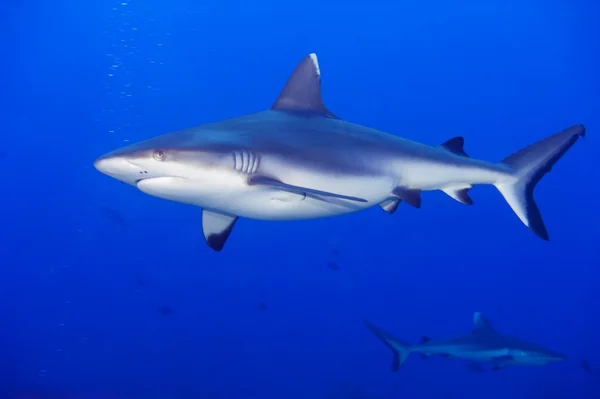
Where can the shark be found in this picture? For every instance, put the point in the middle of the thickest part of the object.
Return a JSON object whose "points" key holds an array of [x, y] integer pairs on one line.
{"points": [[297, 160], [483, 345]]}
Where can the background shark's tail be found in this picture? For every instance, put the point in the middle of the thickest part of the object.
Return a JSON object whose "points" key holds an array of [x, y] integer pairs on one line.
{"points": [[531, 164], [401, 350]]}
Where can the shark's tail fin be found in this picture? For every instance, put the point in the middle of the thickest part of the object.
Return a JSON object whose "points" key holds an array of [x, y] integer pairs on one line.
{"points": [[401, 350], [530, 165]]}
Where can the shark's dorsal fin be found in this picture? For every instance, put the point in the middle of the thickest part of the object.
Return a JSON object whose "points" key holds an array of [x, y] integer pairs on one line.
{"points": [[216, 227], [456, 145], [481, 325], [302, 92]]}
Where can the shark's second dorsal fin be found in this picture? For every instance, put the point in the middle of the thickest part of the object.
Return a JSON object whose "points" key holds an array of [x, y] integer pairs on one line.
{"points": [[302, 92], [455, 145], [481, 325]]}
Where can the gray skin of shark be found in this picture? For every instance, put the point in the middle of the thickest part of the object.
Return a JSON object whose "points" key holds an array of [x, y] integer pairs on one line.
{"points": [[297, 160], [483, 345]]}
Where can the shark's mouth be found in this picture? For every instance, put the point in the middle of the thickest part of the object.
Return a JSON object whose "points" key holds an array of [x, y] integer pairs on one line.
{"points": [[162, 182]]}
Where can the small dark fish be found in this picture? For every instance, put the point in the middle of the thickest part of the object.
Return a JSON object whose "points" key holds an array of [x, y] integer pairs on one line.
{"points": [[476, 367], [114, 216], [165, 310], [262, 305], [585, 365], [333, 266]]}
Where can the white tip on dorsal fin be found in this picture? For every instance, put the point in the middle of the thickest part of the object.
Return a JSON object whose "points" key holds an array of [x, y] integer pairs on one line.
{"points": [[302, 92], [481, 325]]}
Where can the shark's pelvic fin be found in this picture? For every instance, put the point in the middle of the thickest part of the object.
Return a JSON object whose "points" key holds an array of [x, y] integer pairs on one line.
{"points": [[390, 205], [216, 228], [481, 325], [456, 145], [302, 91], [409, 195], [401, 350], [530, 165], [267, 181]]}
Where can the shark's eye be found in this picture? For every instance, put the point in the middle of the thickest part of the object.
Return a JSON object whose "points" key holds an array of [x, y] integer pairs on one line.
{"points": [[159, 155]]}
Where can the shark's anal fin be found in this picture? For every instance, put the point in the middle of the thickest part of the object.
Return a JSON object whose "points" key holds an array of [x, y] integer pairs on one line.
{"points": [[302, 91], [409, 195], [254, 180], [216, 228], [460, 193], [390, 205], [456, 145], [481, 325]]}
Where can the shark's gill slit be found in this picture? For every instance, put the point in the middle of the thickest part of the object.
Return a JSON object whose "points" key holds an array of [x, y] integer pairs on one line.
{"points": [[237, 161], [255, 160], [247, 164]]}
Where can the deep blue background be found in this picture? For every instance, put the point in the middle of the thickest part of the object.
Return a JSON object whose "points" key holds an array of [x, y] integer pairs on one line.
{"points": [[87, 262]]}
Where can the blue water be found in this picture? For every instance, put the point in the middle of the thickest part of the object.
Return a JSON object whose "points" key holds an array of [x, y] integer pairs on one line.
{"points": [[109, 293]]}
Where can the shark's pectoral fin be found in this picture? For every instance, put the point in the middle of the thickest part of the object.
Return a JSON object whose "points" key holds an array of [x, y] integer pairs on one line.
{"points": [[411, 196], [302, 92], [254, 180], [460, 193], [456, 145], [390, 205], [216, 228]]}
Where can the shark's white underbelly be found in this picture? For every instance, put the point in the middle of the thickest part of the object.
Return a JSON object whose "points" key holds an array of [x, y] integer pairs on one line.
{"points": [[230, 194]]}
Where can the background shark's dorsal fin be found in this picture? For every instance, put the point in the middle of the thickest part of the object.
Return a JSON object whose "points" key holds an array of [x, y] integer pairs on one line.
{"points": [[481, 325], [302, 92]]}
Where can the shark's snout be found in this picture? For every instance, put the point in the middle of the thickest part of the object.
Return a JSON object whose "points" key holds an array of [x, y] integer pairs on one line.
{"points": [[120, 168]]}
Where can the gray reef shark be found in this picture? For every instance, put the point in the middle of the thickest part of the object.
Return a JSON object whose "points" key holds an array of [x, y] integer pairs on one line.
{"points": [[297, 160], [483, 345]]}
